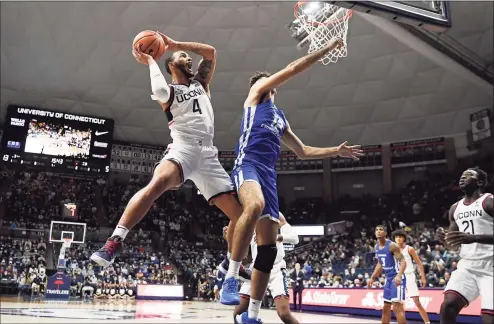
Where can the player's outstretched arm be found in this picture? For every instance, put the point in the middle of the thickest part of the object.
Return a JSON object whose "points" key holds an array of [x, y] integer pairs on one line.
{"points": [[287, 234], [161, 90], [417, 260], [298, 66], [207, 65], [305, 152]]}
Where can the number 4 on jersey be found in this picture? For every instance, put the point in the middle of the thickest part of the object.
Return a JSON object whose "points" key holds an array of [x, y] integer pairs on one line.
{"points": [[196, 107]]}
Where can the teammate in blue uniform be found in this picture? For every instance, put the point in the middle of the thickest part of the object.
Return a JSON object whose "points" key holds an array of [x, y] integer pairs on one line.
{"points": [[392, 262], [263, 128]]}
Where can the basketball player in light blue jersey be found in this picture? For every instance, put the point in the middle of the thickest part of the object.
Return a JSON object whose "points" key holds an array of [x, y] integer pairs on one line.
{"points": [[391, 261], [263, 128]]}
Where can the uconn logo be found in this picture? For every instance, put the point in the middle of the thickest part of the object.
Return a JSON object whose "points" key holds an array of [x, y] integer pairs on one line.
{"points": [[190, 94]]}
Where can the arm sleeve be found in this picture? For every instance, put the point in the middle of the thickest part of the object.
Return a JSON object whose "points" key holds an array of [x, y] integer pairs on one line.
{"points": [[289, 236], [161, 90]]}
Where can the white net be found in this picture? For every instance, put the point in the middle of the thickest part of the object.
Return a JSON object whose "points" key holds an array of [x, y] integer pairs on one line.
{"points": [[323, 22]]}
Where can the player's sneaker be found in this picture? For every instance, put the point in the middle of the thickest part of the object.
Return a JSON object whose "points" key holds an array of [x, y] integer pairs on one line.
{"points": [[229, 292], [243, 273], [106, 255], [244, 319]]}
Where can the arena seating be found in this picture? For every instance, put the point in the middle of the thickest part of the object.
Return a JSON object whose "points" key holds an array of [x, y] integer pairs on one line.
{"points": [[189, 233]]}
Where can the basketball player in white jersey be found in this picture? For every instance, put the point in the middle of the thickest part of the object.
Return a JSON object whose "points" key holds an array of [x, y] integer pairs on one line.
{"points": [[400, 238], [471, 229], [278, 284], [192, 155]]}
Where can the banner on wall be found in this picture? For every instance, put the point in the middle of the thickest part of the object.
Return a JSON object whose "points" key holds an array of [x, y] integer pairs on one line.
{"points": [[58, 286], [418, 152], [481, 125], [372, 299]]}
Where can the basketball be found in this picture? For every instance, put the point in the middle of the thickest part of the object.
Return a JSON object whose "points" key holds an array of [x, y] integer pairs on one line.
{"points": [[151, 43]]}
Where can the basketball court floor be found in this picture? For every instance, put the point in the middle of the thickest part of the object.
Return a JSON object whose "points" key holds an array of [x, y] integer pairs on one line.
{"points": [[16, 310]]}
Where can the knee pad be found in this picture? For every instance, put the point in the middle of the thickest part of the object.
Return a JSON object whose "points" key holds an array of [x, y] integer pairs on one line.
{"points": [[266, 255]]}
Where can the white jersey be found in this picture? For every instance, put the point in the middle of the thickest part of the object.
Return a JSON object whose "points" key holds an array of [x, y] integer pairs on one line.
{"points": [[279, 262], [408, 260], [190, 116], [473, 219]]}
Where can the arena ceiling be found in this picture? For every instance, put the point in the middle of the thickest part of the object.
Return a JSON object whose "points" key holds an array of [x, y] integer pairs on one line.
{"points": [[76, 57]]}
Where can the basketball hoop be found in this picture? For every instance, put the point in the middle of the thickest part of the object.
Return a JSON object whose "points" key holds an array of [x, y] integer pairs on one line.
{"points": [[323, 22]]}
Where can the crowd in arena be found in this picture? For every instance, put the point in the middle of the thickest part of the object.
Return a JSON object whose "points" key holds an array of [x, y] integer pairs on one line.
{"points": [[191, 232]]}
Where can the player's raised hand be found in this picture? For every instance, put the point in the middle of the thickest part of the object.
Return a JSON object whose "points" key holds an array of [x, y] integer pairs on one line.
{"points": [[170, 44], [140, 56], [352, 152]]}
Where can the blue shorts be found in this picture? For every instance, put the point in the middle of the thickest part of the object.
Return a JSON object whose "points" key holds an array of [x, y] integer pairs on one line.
{"points": [[393, 294], [266, 179]]}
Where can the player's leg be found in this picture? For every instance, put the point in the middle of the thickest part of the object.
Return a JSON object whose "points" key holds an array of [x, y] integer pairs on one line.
{"points": [[422, 311], [283, 309], [279, 285], [485, 283], [452, 305], [399, 311], [386, 316], [388, 294], [251, 197], [398, 299], [216, 186], [169, 173], [266, 233], [413, 292], [459, 292], [244, 300]]}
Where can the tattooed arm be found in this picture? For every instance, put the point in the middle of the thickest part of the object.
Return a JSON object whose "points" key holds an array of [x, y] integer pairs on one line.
{"points": [[395, 249], [205, 72]]}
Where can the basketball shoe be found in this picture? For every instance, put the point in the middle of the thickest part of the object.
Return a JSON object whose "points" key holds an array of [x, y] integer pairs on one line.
{"points": [[243, 273], [106, 255]]}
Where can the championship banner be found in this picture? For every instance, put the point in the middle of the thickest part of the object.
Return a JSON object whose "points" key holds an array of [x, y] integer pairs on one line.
{"points": [[481, 125], [372, 299], [58, 286]]}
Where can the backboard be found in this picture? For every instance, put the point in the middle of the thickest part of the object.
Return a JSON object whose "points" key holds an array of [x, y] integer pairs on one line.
{"points": [[432, 15], [60, 230]]}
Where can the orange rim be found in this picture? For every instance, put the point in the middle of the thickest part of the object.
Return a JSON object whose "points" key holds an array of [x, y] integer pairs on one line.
{"points": [[316, 23]]}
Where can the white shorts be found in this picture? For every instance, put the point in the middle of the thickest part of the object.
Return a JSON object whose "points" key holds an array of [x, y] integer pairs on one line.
{"points": [[201, 165], [278, 285], [412, 289], [473, 279]]}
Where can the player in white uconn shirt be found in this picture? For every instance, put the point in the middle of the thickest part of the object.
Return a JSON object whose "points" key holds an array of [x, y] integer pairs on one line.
{"points": [[400, 238], [471, 229], [278, 283], [192, 155]]}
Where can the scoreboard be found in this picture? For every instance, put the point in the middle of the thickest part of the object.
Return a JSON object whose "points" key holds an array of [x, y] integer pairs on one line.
{"points": [[55, 140]]}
